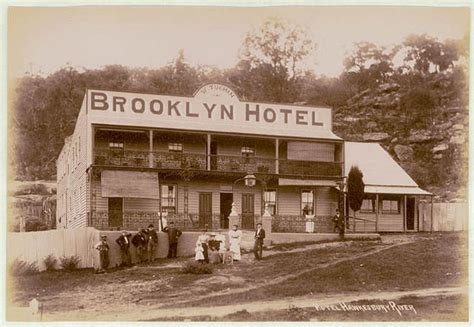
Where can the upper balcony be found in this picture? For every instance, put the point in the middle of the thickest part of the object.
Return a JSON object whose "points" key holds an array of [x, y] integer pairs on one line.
{"points": [[198, 152]]}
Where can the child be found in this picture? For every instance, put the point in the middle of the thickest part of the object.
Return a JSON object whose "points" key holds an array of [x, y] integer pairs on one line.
{"points": [[199, 250], [103, 248]]}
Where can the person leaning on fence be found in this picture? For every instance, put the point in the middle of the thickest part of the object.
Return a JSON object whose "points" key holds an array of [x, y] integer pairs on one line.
{"points": [[152, 242], [124, 242], [173, 235], [103, 248], [139, 241]]}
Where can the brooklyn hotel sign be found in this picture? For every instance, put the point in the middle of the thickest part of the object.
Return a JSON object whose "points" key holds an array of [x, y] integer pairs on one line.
{"points": [[213, 107]]}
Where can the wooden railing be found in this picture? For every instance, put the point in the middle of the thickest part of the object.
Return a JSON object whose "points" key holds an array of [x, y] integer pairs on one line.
{"points": [[224, 163]]}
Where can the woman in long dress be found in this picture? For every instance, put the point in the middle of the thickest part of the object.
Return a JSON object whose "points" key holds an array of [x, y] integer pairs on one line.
{"points": [[235, 236]]}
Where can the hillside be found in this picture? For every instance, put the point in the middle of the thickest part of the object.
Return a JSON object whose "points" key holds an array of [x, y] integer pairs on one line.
{"points": [[434, 153]]}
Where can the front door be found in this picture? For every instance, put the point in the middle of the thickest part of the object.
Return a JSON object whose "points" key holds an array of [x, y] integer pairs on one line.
{"points": [[248, 213], [115, 212], [226, 208], [205, 210], [410, 213]]}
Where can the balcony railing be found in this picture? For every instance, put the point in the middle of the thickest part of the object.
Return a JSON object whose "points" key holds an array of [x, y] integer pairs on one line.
{"points": [[223, 163]]}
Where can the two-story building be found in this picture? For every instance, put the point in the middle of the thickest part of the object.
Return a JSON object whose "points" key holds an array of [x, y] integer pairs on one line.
{"points": [[134, 158]]}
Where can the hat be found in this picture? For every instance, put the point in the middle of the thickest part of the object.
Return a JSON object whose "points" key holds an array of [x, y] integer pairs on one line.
{"points": [[142, 230], [212, 234], [103, 236]]}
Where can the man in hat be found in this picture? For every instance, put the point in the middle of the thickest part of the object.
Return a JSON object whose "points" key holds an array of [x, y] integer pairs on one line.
{"points": [[152, 242], [103, 248], [124, 242], [139, 241], [258, 246], [173, 235]]}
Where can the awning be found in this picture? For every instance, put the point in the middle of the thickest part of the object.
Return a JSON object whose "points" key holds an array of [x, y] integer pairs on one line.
{"points": [[305, 182], [395, 190], [129, 184]]}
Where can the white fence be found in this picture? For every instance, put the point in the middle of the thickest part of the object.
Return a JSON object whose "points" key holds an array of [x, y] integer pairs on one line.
{"points": [[35, 246], [447, 217]]}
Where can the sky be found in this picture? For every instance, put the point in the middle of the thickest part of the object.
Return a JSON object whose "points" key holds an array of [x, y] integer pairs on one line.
{"points": [[42, 40]]}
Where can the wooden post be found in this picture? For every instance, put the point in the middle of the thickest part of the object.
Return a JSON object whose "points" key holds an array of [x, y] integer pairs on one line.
{"points": [[277, 156], [431, 224], [208, 152], [376, 213], [150, 154], [404, 213]]}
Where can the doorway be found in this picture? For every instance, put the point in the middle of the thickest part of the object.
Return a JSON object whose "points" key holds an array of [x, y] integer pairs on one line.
{"points": [[248, 212], [115, 212], [226, 208], [205, 210], [410, 213]]}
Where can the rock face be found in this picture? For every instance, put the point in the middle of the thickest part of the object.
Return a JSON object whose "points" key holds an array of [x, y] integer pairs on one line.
{"points": [[440, 148], [379, 137], [430, 147], [404, 152]]}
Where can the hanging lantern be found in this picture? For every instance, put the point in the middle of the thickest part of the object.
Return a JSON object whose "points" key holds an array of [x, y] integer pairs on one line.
{"points": [[250, 180]]}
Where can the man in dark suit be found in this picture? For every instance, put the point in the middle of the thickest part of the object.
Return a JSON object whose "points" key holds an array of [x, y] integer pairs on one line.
{"points": [[152, 242], [173, 235], [258, 246], [139, 241], [124, 242]]}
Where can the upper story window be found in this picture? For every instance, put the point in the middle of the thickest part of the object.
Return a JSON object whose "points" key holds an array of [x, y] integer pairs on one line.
{"points": [[175, 147], [248, 151], [116, 145]]}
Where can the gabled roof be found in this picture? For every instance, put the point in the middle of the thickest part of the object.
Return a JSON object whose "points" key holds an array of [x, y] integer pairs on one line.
{"points": [[382, 174]]}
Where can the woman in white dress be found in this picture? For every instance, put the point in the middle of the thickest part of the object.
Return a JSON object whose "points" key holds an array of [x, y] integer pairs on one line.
{"points": [[235, 236], [199, 256]]}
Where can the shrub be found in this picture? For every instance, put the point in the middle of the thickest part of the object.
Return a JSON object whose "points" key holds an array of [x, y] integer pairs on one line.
{"points": [[50, 262], [23, 268], [70, 263], [196, 268]]}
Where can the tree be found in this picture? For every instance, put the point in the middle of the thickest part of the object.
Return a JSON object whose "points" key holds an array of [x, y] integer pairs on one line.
{"points": [[368, 66], [425, 54], [272, 61], [355, 189]]}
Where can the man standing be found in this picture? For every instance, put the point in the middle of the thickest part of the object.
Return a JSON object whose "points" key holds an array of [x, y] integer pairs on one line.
{"points": [[124, 242], [173, 235], [258, 246], [336, 221], [152, 242], [139, 241], [103, 248]]}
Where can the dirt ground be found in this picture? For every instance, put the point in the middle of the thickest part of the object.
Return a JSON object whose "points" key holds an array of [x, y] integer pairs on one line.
{"points": [[421, 268]]}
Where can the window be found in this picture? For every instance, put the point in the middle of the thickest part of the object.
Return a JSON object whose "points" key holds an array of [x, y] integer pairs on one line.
{"points": [[269, 201], [391, 205], [116, 145], [368, 205], [175, 147], [168, 198], [307, 202], [248, 151]]}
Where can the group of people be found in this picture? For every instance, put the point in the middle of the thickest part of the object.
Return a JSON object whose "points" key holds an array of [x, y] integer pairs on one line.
{"points": [[211, 248], [145, 243]]}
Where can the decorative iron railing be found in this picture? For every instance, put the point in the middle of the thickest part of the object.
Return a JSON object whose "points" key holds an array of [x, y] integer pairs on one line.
{"points": [[223, 163]]}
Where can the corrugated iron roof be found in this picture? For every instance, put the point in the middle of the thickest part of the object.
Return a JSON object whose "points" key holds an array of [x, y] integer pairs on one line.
{"points": [[380, 170]]}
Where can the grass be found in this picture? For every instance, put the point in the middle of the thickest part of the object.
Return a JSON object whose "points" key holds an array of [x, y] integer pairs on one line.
{"points": [[436, 260], [432, 262]]}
